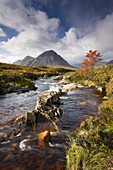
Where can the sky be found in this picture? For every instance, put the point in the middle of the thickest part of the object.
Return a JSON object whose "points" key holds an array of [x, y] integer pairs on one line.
{"points": [[69, 27]]}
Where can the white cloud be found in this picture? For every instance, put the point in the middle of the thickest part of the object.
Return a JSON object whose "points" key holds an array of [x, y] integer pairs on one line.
{"points": [[37, 33], [101, 38], [2, 33], [20, 18], [4, 58], [69, 47], [29, 41], [13, 14], [36, 30]]}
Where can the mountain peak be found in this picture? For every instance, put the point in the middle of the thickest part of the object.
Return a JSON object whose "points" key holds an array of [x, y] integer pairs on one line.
{"points": [[50, 58], [47, 58], [28, 57], [48, 53], [51, 51]]}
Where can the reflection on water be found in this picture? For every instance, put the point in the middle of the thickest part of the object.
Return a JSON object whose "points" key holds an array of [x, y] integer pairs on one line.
{"points": [[82, 102], [22, 152]]}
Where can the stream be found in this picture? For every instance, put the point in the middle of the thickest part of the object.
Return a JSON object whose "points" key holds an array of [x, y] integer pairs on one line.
{"points": [[22, 152]]}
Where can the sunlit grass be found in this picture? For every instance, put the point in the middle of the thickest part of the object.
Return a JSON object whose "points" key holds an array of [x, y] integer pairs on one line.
{"points": [[92, 142], [23, 76]]}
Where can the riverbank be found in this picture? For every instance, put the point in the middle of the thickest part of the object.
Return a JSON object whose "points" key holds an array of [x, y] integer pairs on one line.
{"points": [[91, 144], [15, 78]]}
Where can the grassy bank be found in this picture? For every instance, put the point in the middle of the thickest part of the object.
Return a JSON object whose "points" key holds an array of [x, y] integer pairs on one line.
{"points": [[92, 143], [15, 77]]}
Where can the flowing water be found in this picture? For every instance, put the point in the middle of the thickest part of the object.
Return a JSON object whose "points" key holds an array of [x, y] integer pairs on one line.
{"points": [[22, 151]]}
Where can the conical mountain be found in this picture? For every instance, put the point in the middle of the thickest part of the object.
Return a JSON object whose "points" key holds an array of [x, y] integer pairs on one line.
{"points": [[49, 58]]}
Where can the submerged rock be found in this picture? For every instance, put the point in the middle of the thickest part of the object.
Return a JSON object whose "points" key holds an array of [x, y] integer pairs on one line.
{"points": [[20, 120], [3, 136], [60, 77], [30, 119], [69, 87], [9, 157], [44, 138], [61, 92], [24, 145]]}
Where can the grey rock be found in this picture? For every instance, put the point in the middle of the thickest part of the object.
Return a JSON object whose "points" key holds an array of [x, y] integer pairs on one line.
{"points": [[48, 107], [47, 98], [30, 118]]}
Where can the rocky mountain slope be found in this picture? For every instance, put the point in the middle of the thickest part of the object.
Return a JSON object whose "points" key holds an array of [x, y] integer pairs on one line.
{"points": [[48, 58], [25, 62]]}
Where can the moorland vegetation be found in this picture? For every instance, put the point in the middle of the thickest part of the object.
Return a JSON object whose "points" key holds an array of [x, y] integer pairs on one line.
{"points": [[14, 78], [92, 143]]}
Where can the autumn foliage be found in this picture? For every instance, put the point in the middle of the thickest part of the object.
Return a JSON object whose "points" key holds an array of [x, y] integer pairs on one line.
{"points": [[91, 58]]}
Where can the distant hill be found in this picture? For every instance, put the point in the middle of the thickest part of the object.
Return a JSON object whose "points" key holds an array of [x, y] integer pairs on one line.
{"points": [[48, 58], [25, 62], [110, 62], [18, 62], [100, 63]]}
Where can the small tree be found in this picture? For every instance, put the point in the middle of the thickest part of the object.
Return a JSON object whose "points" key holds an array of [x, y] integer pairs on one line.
{"points": [[91, 58]]}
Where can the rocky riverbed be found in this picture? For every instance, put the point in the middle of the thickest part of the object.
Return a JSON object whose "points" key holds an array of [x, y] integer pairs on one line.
{"points": [[37, 138]]}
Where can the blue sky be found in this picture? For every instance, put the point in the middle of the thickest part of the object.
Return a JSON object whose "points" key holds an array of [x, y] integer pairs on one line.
{"points": [[70, 27]]}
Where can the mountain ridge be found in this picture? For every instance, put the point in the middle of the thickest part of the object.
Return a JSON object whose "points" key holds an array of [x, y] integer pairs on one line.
{"points": [[47, 58], [109, 62]]}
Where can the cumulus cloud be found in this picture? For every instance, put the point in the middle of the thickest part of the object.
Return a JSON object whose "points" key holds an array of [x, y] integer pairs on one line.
{"points": [[101, 38], [69, 47], [2, 33], [36, 30], [37, 33], [74, 49], [29, 41], [4, 58], [18, 17], [13, 14]]}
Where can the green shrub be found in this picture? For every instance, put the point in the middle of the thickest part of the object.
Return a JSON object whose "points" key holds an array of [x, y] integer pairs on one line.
{"points": [[88, 158]]}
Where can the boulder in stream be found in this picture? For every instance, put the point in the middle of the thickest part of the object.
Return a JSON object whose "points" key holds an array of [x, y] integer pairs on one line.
{"points": [[30, 118], [48, 105], [69, 87], [47, 110], [47, 99], [44, 138], [3, 136], [20, 120]]}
